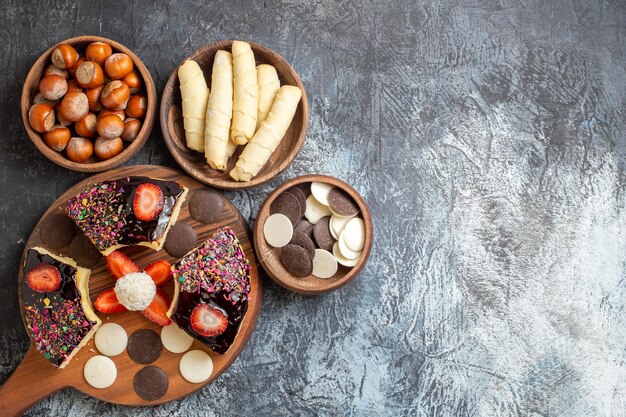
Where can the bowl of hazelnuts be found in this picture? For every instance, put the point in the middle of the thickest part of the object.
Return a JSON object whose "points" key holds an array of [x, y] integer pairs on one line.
{"points": [[89, 104]]}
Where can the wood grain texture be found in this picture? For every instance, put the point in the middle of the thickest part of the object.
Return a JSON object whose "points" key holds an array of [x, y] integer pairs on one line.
{"points": [[488, 139], [269, 257], [18, 394], [194, 162], [31, 87]]}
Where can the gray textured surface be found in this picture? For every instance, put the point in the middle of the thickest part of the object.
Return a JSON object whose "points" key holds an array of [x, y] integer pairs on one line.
{"points": [[488, 138]]}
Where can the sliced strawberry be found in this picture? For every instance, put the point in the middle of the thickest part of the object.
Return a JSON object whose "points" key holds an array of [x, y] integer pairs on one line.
{"points": [[207, 320], [148, 202], [107, 302], [43, 278], [160, 272], [157, 310], [120, 264]]}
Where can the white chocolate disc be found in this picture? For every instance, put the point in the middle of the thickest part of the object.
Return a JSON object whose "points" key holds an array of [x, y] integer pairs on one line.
{"points": [[324, 264], [175, 339], [196, 366], [337, 223], [100, 372], [354, 234], [342, 259], [278, 230], [314, 210], [344, 250], [111, 339], [320, 191]]}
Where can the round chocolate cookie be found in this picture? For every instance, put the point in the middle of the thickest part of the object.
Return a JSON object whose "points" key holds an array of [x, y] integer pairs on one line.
{"points": [[305, 227], [305, 241], [151, 383], [144, 346], [287, 204], [180, 240], [322, 235], [296, 260], [341, 202], [300, 197], [83, 251], [206, 206], [57, 231], [305, 187]]}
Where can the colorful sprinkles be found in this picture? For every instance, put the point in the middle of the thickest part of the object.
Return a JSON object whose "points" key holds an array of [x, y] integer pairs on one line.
{"points": [[218, 265], [58, 328], [100, 212]]}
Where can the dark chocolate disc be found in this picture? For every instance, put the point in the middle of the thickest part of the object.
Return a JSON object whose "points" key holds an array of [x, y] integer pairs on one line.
{"points": [[305, 227], [305, 187], [180, 240], [322, 235], [144, 346], [341, 202], [83, 251], [300, 197], [296, 260], [303, 240], [57, 231], [287, 204], [151, 383], [206, 206]]}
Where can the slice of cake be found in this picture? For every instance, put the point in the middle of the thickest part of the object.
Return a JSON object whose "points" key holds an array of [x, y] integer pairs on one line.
{"points": [[212, 290], [57, 309], [127, 211]]}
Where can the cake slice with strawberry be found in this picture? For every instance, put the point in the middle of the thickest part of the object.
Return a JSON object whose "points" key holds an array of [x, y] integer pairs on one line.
{"points": [[57, 310], [126, 212], [212, 290]]}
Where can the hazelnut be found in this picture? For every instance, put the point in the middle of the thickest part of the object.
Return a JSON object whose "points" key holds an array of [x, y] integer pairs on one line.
{"points": [[98, 52], [72, 70], [108, 148], [73, 86], [79, 149], [118, 66], [132, 127], [64, 56], [74, 106], [110, 126], [118, 113], [89, 75], [86, 127], [53, 69], [93, 97], [115, 95], [134, 81], [136, 107], [53, 87], [41, 117], [57, 137]]}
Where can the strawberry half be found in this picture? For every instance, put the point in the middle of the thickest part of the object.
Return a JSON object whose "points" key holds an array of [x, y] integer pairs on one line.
{"points": [[148, 202], [207, 320], [120, 264], [107, 302], [160, 272], [157, 310], [43, 278]]}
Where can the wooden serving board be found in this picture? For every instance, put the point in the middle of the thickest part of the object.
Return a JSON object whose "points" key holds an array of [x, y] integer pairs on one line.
{"points": [[35, 378]]}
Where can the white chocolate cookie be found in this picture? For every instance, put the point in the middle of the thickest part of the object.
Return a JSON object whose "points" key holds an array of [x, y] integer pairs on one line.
{"points": [[100, 372], [111, 339], [278, 230], [354, 234], [342, 259], [175, 339], [196, 366], [343, 248], [320, 191], [315, 210], [324, 264]]}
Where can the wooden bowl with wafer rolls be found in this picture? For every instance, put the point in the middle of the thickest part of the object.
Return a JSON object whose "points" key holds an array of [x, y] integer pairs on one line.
{"points": [[194, 161]]}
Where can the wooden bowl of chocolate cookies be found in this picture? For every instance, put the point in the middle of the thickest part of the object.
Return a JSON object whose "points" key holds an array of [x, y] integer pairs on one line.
{"points": [[313, 234]]}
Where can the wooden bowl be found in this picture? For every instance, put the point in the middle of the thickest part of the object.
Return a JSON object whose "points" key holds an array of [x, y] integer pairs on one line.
{"points": [[194, 162], [31, 88], [269, 256]]}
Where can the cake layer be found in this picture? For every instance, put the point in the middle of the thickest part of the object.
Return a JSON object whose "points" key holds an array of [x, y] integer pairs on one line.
{"points": [[215, 273], [60, 321], [105, 213]]}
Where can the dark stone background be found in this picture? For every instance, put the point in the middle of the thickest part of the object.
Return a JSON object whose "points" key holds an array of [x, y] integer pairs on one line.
{"points": [[488, 137]]}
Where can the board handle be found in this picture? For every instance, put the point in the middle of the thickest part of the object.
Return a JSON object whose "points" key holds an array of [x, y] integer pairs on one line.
{"points": [[33, 380]]}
